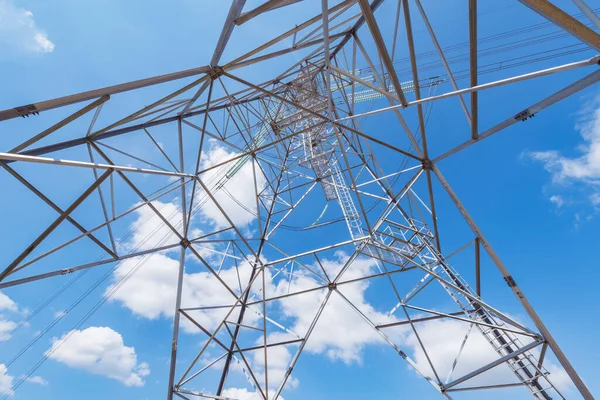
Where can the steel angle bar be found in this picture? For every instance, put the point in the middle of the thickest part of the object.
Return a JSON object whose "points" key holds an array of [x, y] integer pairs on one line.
{"points": [[288, 50], [83, 164], [402, 354], [93, 94], [468, 320], [502, 82], [61, 124], [573, 88], [493, 364], [176, 317], [588, 12], [381, 49], [63, 216], [267, 6], [565, 21], [442, 56], [359, 23], [422, 319], [57, 209]]}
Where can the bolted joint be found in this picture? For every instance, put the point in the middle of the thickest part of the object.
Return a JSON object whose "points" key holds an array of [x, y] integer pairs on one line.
{"points": [[332, 286], [427, 164], [26, 111], [185, 243], [67, 271], [216, 72], [276, 128], [524, 115], [510, 281]]}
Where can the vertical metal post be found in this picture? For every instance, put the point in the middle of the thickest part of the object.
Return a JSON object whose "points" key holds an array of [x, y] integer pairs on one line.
{"points": [[327, 61], [477, 268], [473, 67], [181, 270], [176, 324]]}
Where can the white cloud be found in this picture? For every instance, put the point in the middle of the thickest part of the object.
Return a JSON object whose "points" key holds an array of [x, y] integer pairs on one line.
{"points": [[557, 200], [101, 351], [585, 167], [150, 231], [340, 333], [278, 362], [239, 187], [37, 380], [151, 291], [6, 304], [6, 325], [244, 394], [442, 340], [6, 381], [18, 28]]}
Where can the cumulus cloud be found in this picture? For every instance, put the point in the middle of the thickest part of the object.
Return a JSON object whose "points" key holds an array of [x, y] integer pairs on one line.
{"points": [[278, 362], [340, 333], [18, 29], [151, 291], [442, 340], [6, 381], [100, 351], [38, 380], [7, 305], [147, 284], [583, 168], [236, 195], [150, 231]]}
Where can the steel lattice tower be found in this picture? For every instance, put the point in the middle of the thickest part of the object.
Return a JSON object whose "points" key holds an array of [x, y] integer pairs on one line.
{"points": [[304, 141]]}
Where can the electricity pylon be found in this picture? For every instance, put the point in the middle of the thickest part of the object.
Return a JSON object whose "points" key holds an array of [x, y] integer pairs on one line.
{"points": [[304, 141]]}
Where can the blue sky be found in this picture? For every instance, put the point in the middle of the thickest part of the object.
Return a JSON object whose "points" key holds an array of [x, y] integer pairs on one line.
{"points": [[532, 189]]}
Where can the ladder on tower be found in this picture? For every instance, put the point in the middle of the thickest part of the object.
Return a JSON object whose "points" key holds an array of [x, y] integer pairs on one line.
{"points": [[416, 241], [524, 364], [344, 197]]}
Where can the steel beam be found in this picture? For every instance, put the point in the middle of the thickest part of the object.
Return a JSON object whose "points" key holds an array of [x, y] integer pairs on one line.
{"points": [[94, 94], [381, 49], [267, 6], [63, 216], [556, 15]]}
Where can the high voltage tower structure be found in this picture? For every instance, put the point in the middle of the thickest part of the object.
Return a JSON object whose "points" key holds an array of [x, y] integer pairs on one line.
{"points": [[334, 159]]}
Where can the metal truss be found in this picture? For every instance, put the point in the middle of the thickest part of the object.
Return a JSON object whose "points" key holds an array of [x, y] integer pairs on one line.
{"points": [[309, 144]]}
